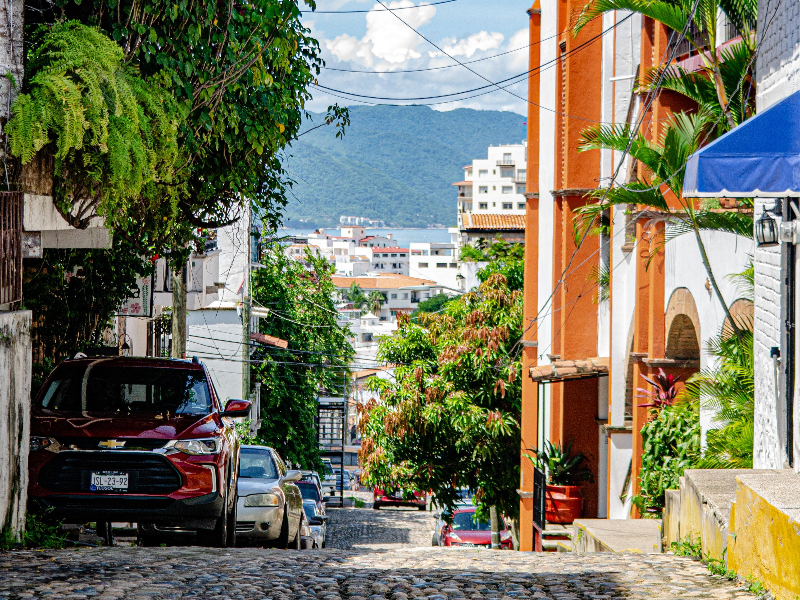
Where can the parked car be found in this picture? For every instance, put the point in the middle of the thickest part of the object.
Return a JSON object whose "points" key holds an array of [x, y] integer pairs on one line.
{"points": [[467, 530], [143, 440], [310, 491], [389, 495], [318, 521], [307, 539], [440, 521], [313, 476], [328, 480], [342, 479], [270, 503]]}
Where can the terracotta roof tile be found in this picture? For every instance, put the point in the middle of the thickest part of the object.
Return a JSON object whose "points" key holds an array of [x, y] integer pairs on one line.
{"points": [[496, 222], [268, 340], [380, 282]]}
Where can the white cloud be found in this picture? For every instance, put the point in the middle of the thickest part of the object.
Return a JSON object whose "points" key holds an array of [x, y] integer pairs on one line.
{"points": [[387, 38], [477, 41]]}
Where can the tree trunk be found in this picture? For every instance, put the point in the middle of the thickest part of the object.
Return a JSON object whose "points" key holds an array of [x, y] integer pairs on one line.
{"points": [[495, 524], [178, 314], [713, 280]]}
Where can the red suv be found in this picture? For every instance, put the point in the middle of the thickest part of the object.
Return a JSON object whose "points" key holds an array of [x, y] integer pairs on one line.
{"points": [[142, 440]]}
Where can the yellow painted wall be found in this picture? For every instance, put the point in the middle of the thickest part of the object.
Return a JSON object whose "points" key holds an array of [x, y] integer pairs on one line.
{"points": [[765, 545]]}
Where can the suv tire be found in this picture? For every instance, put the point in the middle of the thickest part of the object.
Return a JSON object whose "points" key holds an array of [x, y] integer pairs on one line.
{"points": [[297, 542], [283, 539], [218, 537], [376, 505], [231, 537]]}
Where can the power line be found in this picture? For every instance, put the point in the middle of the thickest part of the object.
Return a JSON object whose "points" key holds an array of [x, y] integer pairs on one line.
{"points": [[491, 84], [385, 9], [467, 62]]}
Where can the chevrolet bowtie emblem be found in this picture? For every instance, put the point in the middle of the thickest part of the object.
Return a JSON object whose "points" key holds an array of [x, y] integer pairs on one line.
{"points": [[111, 444]]}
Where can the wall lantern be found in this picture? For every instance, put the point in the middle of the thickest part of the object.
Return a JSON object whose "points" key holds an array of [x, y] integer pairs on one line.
{"points": [[766, 231]]}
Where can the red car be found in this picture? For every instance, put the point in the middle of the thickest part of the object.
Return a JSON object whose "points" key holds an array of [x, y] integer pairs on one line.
{"points": [[467, 530], [392, 496], [142, 440]]}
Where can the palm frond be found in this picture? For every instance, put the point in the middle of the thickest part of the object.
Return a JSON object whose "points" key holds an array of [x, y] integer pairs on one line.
{"points": [[671, 14]]}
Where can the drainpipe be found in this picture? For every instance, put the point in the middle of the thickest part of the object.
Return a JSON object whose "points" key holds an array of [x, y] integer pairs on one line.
{"points": [[790, 214]]}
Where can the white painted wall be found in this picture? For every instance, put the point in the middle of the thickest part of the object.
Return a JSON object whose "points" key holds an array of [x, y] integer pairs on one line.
{"points": [[778, 73], [215, 336]]}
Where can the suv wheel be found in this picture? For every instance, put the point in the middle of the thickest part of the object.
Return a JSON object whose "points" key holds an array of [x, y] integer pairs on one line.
{"points": [[145, 540], [218, 537], [297, 542], [231, 538]]}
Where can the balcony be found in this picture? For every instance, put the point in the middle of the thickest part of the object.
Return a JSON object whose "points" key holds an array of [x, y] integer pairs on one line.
{"points": [[506, 162], [521, 177]]}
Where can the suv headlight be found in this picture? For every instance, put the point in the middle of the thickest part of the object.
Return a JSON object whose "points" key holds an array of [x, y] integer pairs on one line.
{"points": [[41, 443], [262, 500], [197, 447]]}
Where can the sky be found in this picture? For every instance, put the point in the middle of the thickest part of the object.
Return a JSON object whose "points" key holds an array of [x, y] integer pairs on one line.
{"points": [[376, 40]]}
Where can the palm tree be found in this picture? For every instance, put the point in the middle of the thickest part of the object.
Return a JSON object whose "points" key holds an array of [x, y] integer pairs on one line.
{"points": [[375, 301], [356, 295], [728, 389], [697, 21], [663, 173]]}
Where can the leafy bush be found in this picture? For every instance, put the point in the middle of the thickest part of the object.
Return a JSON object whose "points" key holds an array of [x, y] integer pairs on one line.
{"points": [[40, 532], [671, 444], [433, 304]]}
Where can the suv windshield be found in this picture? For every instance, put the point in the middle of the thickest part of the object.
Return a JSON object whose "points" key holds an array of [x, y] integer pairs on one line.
{"points": [[257, 464], [94, 387]]}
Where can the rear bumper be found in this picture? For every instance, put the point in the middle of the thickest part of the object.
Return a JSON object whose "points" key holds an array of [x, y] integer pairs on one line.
{"points": [[199, 512]]}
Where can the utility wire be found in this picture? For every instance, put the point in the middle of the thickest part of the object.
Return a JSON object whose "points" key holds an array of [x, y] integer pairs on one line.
{"points": [[385, 9], [491, 84]]}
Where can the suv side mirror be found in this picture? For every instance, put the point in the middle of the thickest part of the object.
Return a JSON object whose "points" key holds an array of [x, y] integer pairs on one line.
{"points": [[236, 408], [292, 476]]}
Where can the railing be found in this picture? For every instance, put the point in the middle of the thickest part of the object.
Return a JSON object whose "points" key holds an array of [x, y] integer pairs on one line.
{"points": [[506, 162], [10, 247], [521, 178]]}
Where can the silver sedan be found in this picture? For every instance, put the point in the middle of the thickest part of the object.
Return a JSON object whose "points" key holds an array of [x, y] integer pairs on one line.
{"points": [[270, 506]]}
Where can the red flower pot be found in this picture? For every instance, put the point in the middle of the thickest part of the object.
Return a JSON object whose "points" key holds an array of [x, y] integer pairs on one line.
{"points": [[563, 503]]}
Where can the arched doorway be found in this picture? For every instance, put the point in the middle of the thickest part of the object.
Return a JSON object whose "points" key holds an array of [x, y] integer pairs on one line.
{"points": [[682, 327]]}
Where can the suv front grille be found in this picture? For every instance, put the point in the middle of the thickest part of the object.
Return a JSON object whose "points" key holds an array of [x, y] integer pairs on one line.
{"points": [[149, 473]]}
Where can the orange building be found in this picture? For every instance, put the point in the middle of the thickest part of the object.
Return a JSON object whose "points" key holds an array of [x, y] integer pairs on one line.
{"points": [[603, 309]]}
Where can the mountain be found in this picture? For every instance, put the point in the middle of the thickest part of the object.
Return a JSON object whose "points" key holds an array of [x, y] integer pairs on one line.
{"points": [[395, 163]]}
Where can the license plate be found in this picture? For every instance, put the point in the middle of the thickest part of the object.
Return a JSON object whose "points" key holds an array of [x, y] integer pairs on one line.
{"points": [[109, 481], [398, 495]]}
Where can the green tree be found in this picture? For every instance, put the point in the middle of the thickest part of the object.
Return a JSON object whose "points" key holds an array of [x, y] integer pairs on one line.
{"points": [[357, 296], [239, 75], [303, 313], [727, 388], [375, 302], [698, 21], [434, 304], [450, 417]]}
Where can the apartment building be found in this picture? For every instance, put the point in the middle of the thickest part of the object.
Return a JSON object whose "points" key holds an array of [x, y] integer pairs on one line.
{"points": [[402, 293], [436, 261], [491, 197]]}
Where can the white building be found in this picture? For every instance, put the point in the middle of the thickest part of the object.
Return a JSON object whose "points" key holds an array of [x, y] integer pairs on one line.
{"points": [[436, 261], [493, 186], [402, 293]]}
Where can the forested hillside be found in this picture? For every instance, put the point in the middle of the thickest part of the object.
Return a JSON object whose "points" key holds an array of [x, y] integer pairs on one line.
{"points": [[394, 163]]}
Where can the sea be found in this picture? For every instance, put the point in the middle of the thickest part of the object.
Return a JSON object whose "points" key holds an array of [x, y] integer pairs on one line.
{"points": [[403, 236]]}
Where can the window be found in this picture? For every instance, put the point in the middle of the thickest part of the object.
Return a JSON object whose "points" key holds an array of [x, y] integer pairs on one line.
{"points": [[483, 206], [483, 189], [508, 205], [507, 172], [441, 265], [405, 296], [423, 265], [394, 265], [435, 252], [452, 265], [424, 253], [507, 158], [508, 189], [386, 256], [469, 172], [393, 255], [521, 173], [521, 205], [494, 188], [520, 189], [394, 296], [483, 173]]}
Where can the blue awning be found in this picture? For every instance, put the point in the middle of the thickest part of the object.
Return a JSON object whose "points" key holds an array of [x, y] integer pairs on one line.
{"points": [[759, 158]]}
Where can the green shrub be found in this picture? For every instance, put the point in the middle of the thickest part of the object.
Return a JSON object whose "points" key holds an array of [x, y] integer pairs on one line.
{"points": [[670, 444], [40, 532]]}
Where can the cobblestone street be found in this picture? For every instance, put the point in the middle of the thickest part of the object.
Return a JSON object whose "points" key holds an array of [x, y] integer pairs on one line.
{"points": [[382, 564]]}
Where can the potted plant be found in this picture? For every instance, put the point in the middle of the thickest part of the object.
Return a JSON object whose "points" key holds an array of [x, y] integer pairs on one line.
{"points": [[564, 471]]}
